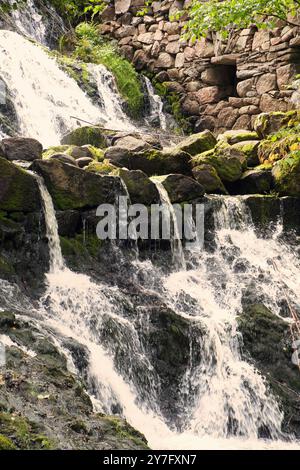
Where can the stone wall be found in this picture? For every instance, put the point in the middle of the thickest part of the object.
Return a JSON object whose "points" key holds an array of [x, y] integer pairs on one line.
{"points": [[221, 85]]}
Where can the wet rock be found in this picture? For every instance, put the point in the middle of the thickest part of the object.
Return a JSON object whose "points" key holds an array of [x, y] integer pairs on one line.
{"points": [[74, 188], [20, 148], [18, 189], [181, 188], [239, 135], [84, 162], [267, 340]]}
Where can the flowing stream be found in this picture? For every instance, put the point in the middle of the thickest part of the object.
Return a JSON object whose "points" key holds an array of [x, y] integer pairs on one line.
{"points": [[224, 401]]}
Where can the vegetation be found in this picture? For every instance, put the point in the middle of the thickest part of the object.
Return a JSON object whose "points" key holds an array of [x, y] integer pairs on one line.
{"points": [[91, 47], [213, 15]]}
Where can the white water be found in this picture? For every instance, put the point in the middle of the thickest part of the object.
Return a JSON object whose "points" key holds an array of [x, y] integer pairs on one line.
{"points": [[225, 385], [29, 22], [45, 98], [156, 106]]}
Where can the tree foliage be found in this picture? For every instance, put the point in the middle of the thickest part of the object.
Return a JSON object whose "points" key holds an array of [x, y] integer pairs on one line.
{"points": [[223, 16]]}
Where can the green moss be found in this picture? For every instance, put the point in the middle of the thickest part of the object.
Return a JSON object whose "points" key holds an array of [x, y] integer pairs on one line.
{"points": [[80, 246], [279, 144], [6, 443], [286, 173], [104, 167], [21, 433], [125, 431], [173, 99], [57, 149], [87, 135], [6, 269]]}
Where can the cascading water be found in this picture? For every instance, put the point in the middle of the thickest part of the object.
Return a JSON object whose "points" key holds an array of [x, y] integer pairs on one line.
{"points": [[155, 106], [29, 22], [45, 98]]}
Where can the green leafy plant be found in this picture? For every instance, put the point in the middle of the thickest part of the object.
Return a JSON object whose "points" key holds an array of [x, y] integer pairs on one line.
{"points": [[227, 15]]}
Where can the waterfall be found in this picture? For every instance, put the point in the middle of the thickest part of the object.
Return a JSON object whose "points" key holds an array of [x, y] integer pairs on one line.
{"points": [[107, 89], [176, 243], [45, 98], [225, 400], [155, 106], [29, 22]]}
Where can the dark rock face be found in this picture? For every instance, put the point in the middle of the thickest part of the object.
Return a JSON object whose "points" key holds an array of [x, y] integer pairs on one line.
{"points": [[140, 188], [43, 399], [254, 182], [18, 190], [20, 148], [268, 341], [182, 188]]}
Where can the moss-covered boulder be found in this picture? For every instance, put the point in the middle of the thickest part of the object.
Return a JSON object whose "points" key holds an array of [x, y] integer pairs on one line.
{"points": [[181, 188], [88, 135], [235, 136], [74, 188], [85, 151], [18, 189], [197, 143], [279, 145], [256, 181], [140, 188], [21, 148], [152, 161], [267, 341], [228, 162], [103, 168], [250, 149], [268, 123], [286, 174], [64, 158], [208, 178]]}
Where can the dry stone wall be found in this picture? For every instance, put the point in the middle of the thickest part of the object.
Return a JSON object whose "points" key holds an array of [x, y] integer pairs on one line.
{"points": [[220, 85]]}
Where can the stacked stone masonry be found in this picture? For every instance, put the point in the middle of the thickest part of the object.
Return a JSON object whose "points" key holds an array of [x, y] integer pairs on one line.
{"points": [[221, 85]]}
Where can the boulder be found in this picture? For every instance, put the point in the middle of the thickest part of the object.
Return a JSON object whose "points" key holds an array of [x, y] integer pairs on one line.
{"points": [[131, 144], [228, 162], [239, 135], [140, 188], [256, 181], [84, 162], [104, 168], [20, 148], [286, 173], [197, 143], [181, 188], [74, 188], [19, 191], [152, 162], [88, 135], [63, 157], [250, 149], [208, 178]]}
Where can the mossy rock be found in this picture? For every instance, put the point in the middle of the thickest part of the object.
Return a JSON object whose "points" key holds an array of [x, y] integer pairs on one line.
{"points": [[103, 168], [181, 188], [250, 149], [228, 162], [255, 181], [269, 123], [74, 188], [235, 136], [286, 174], [140, 188], [6, 269], [208, 177], [152, 162], [197, 143], [88, 135], [6, 443], [18, 189], [279, 144]]}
